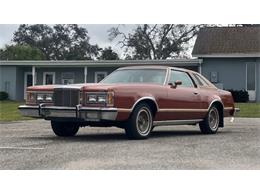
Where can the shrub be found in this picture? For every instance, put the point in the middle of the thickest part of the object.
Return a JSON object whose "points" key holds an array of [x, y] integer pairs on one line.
{"points": [[239, 95], [3, 95]]}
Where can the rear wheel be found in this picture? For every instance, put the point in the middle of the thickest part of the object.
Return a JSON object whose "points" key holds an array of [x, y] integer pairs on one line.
{"points": [[140, 123], [64, 129], [210, 124]]}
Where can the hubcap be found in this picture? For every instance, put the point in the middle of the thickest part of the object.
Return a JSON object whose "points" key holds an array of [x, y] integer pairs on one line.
{"points": [[213, 119], [143, 121]]}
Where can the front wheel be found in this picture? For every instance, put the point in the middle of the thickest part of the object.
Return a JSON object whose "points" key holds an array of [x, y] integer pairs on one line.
{"points": [[64, 129], [210, 124], [140, 123]]}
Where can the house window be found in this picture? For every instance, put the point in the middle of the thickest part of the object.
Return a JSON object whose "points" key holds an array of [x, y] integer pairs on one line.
{"points": [[214, 77], [49, 78], [67, 81], [100, 76], [67, 78]]}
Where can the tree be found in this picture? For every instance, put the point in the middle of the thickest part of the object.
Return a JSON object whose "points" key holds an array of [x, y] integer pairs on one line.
{"points": [[59, 42], [108, 54], [155, 41], [20, 52]]}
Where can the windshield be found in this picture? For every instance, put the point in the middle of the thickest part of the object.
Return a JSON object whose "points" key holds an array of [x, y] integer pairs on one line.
{"points": [[156, 76]]}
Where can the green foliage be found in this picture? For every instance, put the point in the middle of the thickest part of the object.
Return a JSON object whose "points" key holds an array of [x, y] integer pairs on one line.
{"points": [[156, 41], [108, 54], [3, 95], [20, 52], [239, 95], [58, 42]]}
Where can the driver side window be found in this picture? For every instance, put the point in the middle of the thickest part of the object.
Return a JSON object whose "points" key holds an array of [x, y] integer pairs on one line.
{"points": [[181, 76]]}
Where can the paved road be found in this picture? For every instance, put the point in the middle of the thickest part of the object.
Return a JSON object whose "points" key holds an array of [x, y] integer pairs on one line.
{"points": [[32, 145]]}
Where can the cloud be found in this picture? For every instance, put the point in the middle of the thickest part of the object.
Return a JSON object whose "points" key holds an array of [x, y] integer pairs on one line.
{"points": [[6, 33]]}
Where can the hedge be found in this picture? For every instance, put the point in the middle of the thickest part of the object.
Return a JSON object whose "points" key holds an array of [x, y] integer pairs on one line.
{"points": [[239, 95], [3, 95]]}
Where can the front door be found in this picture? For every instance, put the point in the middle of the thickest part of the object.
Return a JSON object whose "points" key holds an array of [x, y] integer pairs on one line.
{"points": [[28, 81], [251, 80]]}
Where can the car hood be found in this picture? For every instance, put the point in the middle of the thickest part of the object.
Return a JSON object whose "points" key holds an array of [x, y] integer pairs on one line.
{"points": [[92, 86]]}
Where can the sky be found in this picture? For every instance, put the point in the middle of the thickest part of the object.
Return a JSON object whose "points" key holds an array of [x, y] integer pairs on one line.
{"points": [[98, 34]]}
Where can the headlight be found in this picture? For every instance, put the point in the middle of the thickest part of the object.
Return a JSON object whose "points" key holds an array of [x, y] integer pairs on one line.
{"points": [[40, 97], [44, 97], [92, 99], [48, 97], [100, 98]]}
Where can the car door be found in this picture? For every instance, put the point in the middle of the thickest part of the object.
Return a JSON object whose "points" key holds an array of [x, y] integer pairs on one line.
{"points": [[183, 101]]}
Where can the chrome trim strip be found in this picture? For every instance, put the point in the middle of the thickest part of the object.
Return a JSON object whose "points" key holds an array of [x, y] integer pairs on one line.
{"points": [[228, 108], [69, 112], [143, 98], [58, 108], [28, 107], [167, 76], [177, 122], [70, 86], [237, 109], [98, 109], [215, 100], [182, 110], [124, 110]]}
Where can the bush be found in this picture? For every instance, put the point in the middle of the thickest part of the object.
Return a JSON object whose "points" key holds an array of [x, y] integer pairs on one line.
{"points": [[3, 95], [239, 95]]}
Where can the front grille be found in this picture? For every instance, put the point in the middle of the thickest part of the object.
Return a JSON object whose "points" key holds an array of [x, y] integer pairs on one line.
{"points": [[66, 97]]}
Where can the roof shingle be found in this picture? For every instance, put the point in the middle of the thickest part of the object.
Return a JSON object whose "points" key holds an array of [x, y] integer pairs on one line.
{"points": [[228, 41]]}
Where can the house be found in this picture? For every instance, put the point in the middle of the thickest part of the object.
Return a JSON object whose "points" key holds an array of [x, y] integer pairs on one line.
{"points": [[228, 56], [15, 76], [231, 57]]}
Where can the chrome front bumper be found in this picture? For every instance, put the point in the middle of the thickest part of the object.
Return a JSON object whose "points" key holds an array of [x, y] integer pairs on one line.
{"points": [[77, 112]]}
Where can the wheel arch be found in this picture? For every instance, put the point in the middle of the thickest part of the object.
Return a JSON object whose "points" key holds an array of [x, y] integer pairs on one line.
{"points": [[150, 101], [220, 107]]}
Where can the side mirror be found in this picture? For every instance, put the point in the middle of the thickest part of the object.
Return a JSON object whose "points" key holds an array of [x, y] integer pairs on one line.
{"points": [[176, 83]]}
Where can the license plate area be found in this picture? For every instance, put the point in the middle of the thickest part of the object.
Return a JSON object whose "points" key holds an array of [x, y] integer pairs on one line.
{"points": [[92, 116]]}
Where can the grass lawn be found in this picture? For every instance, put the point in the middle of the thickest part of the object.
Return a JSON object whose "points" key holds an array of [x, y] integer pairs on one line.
{"points": [[9, 111], [249, 110]]}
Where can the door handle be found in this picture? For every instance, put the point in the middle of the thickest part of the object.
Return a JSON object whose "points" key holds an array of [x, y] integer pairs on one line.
{"points": [[196, 93]]}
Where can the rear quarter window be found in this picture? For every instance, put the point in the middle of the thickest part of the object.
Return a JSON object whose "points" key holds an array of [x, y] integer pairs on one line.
{"points": [[200, 80]]}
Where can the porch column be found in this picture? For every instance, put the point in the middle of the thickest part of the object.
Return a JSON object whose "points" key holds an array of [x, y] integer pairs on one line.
{"points": [[85, 74], [33, 76], [200, 62]]}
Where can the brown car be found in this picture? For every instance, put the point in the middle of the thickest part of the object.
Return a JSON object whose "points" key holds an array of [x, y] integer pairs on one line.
{"points": [[134, 98]]}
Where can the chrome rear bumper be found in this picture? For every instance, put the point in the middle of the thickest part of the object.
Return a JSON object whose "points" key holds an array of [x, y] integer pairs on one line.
{"points": [[236, 111], [78, 112]]}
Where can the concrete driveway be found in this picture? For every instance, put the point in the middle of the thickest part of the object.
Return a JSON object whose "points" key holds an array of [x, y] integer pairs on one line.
{"points": [[32, 145]]}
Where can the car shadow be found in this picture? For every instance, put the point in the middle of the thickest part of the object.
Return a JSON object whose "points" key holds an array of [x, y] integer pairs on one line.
{"points": [[120, 136]]}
